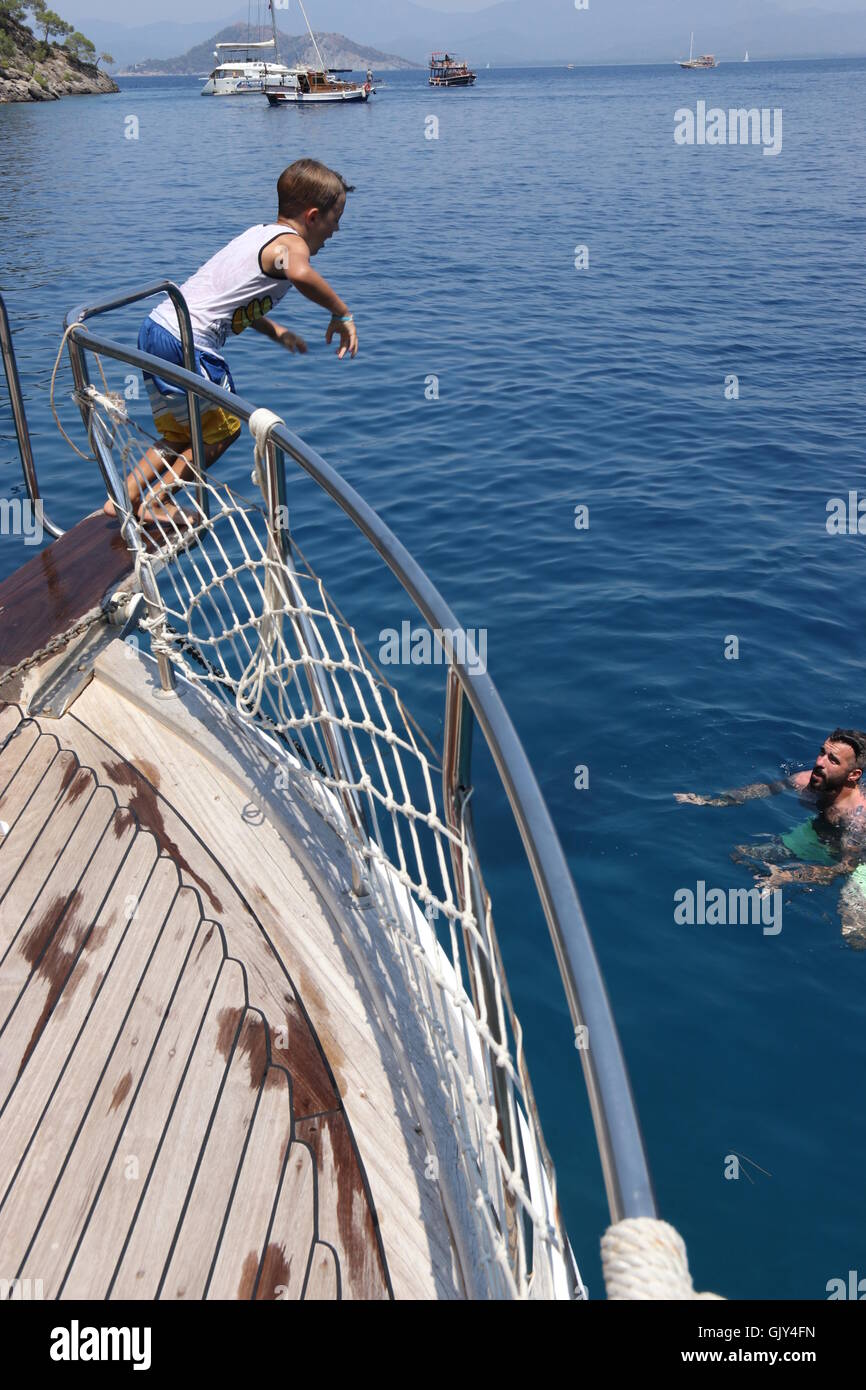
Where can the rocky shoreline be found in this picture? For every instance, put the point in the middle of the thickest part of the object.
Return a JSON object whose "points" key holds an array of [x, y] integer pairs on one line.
{"points": [[27, 75]]}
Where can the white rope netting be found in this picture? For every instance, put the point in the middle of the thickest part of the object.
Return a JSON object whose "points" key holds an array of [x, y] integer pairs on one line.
{"points": [[244, 617]]}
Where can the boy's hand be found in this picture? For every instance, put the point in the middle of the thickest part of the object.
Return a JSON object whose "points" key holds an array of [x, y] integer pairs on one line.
{"points": [[292, 342], [348, 336]]}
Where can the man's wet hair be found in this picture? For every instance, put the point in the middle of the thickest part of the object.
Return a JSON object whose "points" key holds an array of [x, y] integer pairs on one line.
{"points": [[309, 184], [856, 739]]}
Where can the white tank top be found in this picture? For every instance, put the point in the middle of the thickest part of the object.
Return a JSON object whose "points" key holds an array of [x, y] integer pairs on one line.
{"points": [[230, 290]]}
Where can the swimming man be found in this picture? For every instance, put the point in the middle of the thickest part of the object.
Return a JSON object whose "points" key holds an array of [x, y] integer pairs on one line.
{"points": [[833, 842]]}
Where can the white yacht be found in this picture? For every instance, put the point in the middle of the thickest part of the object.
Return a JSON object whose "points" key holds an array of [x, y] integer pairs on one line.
{"points": [[241, 77], [246, 69]]}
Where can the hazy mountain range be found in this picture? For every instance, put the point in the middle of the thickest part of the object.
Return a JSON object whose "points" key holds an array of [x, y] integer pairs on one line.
{"points": [[532, 31], [338, 51]]}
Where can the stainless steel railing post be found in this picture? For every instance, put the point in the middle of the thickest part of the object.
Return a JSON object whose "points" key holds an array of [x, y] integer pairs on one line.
{"points": [[280, 536], [16, 397], [456, 794], [193, 404], [115, 486], [84, 312]]}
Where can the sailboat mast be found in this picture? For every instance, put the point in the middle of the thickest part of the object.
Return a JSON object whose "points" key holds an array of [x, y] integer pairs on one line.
{"points": [[312, 36], [691, 47], [274, 28]]}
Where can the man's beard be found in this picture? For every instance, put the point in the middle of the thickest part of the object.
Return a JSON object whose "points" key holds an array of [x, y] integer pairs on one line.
{"points": [[825, 790]]}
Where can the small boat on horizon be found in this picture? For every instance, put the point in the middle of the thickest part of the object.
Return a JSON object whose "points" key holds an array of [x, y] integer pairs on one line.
{"points": [[448, 71], [746, 59], [705, 61]]}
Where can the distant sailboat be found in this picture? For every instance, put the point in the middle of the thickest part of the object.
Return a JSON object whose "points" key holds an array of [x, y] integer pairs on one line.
{"points": [[746, 59], [705, 61]]}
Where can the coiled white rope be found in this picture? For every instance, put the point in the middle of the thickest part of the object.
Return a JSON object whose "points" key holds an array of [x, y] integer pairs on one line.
{"points": [[646, 1259], [251, 686]]}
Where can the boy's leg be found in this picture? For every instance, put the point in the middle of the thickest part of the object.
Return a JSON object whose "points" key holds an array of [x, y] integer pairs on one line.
{"points": [[163, 466], [155, 506], [149, 466], [170, 467]]}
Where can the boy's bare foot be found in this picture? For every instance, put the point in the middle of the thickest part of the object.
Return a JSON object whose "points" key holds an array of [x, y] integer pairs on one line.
{"points": [[157, 511]]}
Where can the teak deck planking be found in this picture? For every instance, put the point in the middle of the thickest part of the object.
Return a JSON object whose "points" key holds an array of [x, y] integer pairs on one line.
{"points": [[130, 1167]]}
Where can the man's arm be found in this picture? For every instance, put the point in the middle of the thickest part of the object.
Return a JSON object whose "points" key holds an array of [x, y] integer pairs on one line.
{"points": [[806, 873], [753, 792]]}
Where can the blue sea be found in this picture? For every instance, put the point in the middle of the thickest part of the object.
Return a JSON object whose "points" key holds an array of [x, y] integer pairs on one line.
{"points": [[609, 387]]}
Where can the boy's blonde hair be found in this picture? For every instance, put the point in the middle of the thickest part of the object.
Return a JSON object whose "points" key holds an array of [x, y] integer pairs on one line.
{"points": [[308, 184]]}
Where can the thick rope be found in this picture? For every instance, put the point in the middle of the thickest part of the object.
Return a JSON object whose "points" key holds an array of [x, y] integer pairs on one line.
{"points": [[112, 401], [646, 1259], [251, 686]]}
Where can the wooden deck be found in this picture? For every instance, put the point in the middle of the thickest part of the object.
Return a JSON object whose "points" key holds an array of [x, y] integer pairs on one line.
{"points": [[66, 580], [159, 1137], [200, 1096], [196, 1100]]}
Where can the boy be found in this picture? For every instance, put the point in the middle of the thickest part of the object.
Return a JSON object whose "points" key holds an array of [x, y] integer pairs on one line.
{"points": [[234, 290]]}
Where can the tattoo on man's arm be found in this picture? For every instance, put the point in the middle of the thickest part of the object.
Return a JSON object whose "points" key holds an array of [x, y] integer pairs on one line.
{"points": [[820, 873], [753, 792]]}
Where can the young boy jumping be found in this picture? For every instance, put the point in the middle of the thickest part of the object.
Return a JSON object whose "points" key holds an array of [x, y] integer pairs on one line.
{"points": [[235, 290]]}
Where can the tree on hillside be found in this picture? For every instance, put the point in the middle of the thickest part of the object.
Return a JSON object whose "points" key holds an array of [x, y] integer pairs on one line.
{"points": [[13, 9], [80, 48], [104, 58], [49, 22]]}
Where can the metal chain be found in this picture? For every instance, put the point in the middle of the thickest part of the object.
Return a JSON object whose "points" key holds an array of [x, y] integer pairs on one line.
{"points": [[55, 644]]}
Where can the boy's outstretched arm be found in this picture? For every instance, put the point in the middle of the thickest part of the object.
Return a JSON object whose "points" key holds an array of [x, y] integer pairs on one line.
{"points": [[291, 341], [753, 792], [291, 258]]}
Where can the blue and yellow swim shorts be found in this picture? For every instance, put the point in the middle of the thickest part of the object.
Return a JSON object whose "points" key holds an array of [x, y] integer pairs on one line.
{"points": [[168, 403]]}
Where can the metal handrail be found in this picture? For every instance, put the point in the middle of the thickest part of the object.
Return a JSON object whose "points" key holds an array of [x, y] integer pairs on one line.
{"points": [[16, 396], [626, 1174], [105, 306]]}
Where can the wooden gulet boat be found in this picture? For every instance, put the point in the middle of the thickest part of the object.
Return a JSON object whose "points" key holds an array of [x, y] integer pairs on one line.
{"points": [[257, 1038], [314, 85], [309, 85], [448, 71]]}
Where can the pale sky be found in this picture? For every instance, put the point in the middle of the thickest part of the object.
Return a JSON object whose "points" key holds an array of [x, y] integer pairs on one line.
{"points": [[133, 12]]}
